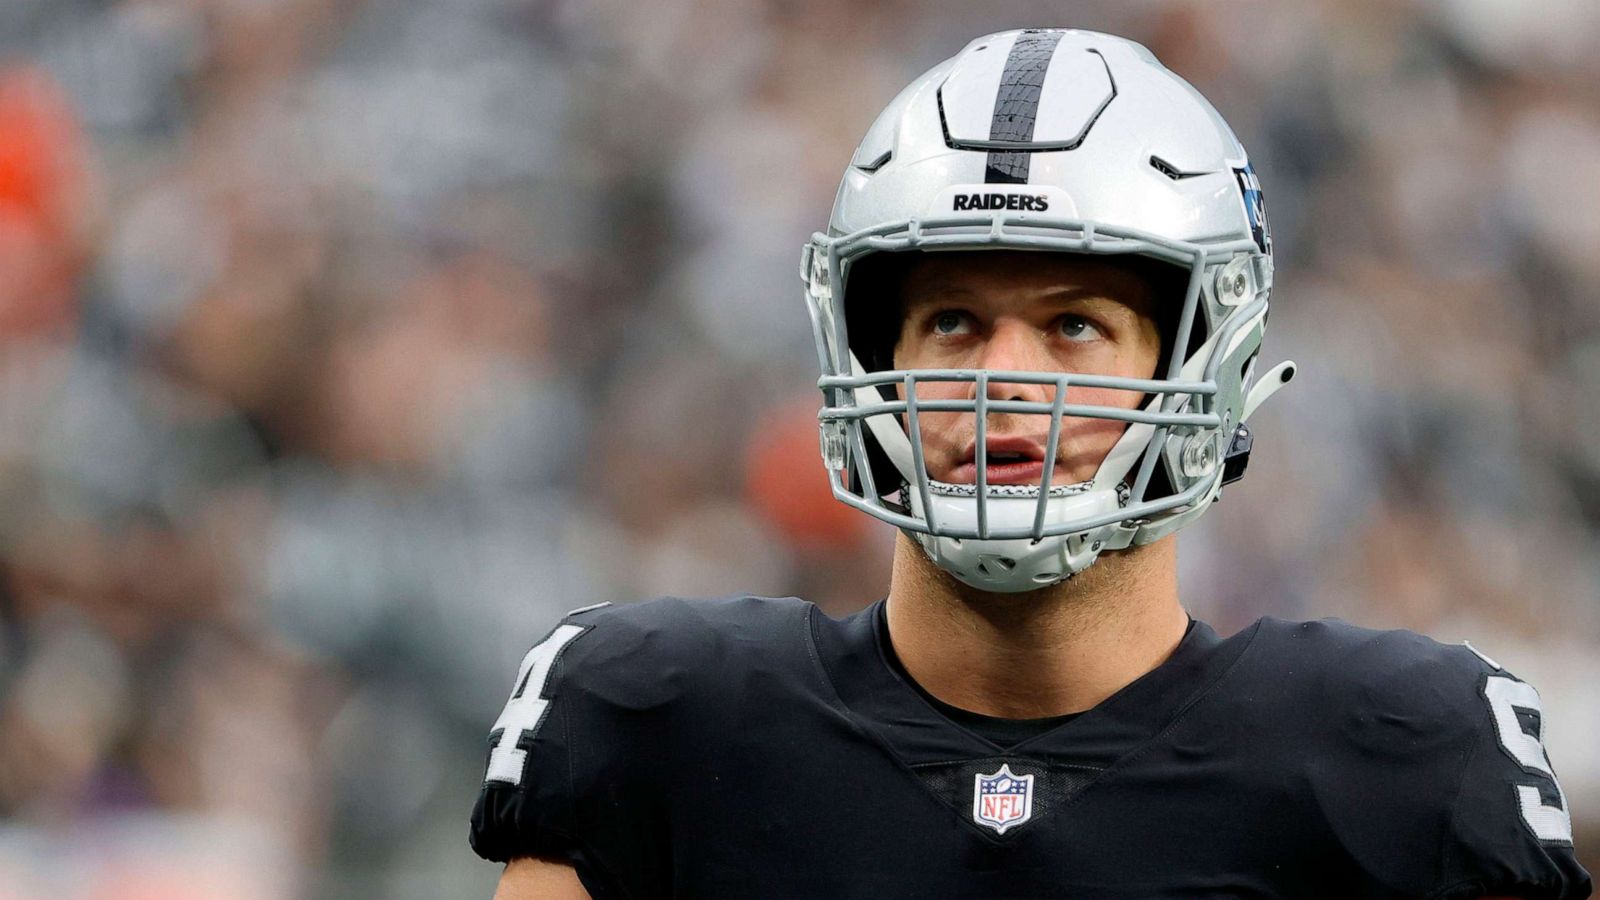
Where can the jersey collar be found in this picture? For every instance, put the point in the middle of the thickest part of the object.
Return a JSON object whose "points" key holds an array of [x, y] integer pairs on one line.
{"points": [[852, 651]]}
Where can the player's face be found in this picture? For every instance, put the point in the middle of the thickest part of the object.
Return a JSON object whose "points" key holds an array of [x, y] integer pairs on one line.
{"points": [[1023, 311]]}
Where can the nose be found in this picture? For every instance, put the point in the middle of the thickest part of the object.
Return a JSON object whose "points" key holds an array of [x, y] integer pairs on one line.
{"points": [[1017, 347]]}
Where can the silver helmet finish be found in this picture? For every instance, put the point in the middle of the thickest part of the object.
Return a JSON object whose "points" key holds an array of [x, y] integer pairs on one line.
{"points": [[1057, 141]]}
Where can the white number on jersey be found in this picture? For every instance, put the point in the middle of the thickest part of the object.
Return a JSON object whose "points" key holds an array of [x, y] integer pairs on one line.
{"points": [[1506, 696], [525, 710]]}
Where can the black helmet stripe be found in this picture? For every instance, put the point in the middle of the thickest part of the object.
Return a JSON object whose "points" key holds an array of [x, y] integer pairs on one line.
{"points": [[1016, 104]]}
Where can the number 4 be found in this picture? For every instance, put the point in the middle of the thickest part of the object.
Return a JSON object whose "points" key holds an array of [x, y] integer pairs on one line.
{"points": [[524, 712], [1506, 696]]}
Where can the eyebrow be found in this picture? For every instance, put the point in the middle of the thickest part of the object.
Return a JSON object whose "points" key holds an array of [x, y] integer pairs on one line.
{"points": [[1060, 295], [934, 295]]}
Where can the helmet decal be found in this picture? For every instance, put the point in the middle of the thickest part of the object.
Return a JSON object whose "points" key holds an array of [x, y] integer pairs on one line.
{"points": [[1255, 206], [1036, 97], [1016, 104]]}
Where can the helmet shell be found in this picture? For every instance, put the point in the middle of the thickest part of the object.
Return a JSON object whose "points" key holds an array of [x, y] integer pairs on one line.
{"points": [[1067, 141]]}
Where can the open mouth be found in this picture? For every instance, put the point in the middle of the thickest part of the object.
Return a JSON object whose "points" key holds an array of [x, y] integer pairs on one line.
{"points": [[1006, 461]]}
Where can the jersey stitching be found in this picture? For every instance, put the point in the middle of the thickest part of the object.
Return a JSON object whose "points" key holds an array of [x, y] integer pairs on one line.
{"points": [[856, 722], [1194, 699]]}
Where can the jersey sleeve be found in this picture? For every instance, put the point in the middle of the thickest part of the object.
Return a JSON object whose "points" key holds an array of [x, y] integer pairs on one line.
{"points": [[1510, 826], [525, 808], [560, 770], [1437, 784]]}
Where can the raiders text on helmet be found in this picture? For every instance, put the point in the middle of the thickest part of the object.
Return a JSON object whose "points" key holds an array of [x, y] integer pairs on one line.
{"points": [[1025, 202]]}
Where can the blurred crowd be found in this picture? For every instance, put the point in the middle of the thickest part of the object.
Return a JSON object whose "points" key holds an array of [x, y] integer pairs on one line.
{"points": [[344, 344]]}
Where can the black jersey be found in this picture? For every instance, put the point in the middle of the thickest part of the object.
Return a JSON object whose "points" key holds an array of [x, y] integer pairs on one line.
{"points": [[756, 748]]}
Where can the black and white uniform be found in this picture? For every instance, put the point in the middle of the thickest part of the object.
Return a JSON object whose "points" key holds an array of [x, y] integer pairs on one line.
{"points": [[757, 748]]}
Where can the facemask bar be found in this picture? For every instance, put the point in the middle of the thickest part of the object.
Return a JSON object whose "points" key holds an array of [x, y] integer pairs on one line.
{"points": [[852, 398], [981, 406]]}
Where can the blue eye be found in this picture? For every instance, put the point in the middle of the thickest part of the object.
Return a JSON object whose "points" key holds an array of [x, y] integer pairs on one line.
{"points": [[948, 322], [1077, 328]]}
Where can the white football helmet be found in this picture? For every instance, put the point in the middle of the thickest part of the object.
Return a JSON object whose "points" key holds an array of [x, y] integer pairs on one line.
{"points": [[1057, 141]]}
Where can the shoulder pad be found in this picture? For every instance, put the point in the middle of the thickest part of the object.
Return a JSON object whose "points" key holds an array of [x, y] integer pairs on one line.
{"points": [[595, 702], [1429, 768], [1393, 690], [648, 654]]}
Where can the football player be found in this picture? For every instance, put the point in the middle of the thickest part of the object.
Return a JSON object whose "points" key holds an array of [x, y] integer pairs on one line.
{"points": [[1038, 306]]}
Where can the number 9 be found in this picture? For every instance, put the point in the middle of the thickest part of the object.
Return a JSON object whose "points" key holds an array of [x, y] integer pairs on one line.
{"points": [[1506, 696]]}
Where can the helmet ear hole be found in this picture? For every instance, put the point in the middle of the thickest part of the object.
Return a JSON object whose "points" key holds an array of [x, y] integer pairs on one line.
{"points": [[1169, 287], [872, 311], [873, 306]]}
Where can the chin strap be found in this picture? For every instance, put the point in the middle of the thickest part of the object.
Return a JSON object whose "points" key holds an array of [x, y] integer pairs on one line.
{"points": [[891, 437]]}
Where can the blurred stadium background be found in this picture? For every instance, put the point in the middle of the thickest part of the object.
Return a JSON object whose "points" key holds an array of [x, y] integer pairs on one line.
{"points": [[344, 345]]}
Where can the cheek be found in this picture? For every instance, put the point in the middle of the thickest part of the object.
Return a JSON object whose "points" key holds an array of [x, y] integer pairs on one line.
{"points": [[1104, 397], [1109, 396], [1087, 430], [911, 352], [1120, 360], [1086, 441], [942, 432], [937, 390]]}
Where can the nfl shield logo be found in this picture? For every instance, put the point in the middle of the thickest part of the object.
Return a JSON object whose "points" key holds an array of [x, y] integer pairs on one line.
{"points": [[1003, 800]]}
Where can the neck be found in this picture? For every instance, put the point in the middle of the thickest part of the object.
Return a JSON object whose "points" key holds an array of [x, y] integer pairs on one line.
{"points": [[1049, 652]]}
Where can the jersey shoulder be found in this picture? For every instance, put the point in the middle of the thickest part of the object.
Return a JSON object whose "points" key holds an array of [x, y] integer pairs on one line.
{"points": [[1371, 673], [677, 629], [595, 708], [1366, 705], [675, 651], [1426, 760]]}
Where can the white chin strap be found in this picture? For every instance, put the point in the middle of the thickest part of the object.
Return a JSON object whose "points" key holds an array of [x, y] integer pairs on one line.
{"points": [[1011, 566]]}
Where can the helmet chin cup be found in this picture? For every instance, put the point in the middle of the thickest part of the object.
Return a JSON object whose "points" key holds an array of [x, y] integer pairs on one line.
{"points": [[1021, 564]]}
